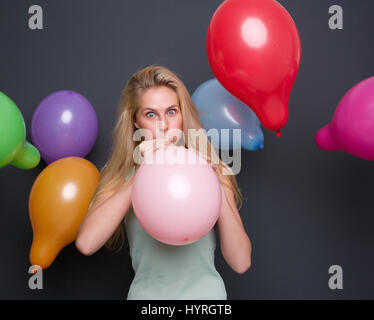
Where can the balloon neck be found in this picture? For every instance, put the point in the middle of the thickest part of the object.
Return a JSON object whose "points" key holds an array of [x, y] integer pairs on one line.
{"points": [[43, 252], [278, 133], [28, 157]]}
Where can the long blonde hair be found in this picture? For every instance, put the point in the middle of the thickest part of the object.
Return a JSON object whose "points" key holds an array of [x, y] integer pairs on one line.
{"points": [[121, 161]]}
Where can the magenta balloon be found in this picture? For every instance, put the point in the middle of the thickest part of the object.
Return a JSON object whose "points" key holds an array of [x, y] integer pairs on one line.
{"points": [[64, 125], [352, 126], [177, 203]]}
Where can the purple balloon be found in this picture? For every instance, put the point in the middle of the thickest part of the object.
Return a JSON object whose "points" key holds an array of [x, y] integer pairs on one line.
{"points": [[64, 125]]}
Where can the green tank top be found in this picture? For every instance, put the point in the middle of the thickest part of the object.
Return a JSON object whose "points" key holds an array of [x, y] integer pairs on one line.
{"points": [[168, 272]]}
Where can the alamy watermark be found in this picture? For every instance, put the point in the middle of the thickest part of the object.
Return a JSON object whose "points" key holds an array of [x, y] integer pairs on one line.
{"points": [[36, 280], [336, 20], [197, 141], [336, 280], [36, 20]]}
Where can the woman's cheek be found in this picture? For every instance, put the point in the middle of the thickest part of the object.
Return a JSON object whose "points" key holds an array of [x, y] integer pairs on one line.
{"points": [[179, 123], [150, 127]]}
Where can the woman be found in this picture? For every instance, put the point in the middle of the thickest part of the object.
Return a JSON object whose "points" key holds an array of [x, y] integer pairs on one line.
{"points": [[155, 99]]}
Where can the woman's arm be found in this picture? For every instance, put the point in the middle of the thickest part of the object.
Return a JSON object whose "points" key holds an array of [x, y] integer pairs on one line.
{"points": [[106, 213], [235, 244], [109, 209]]}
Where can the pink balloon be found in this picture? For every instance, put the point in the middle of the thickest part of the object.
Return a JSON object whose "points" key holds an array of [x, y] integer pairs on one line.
{"points": [[176, 203], [352, 126]]}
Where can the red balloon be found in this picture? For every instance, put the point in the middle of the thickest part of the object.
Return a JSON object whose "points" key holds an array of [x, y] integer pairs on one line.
{"points": [[254, 50]]}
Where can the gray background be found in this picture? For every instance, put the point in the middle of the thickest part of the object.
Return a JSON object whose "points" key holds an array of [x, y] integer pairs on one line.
{"points": [[305, 209]]}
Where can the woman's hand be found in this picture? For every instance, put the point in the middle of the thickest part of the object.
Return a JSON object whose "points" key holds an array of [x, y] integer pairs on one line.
{"points": [[147, 147]]}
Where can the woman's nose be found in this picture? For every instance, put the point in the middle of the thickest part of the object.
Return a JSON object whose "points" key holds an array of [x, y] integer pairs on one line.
{"points": [[162, 125]]}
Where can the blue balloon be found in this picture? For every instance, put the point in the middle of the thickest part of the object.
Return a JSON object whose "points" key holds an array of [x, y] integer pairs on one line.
{"points": [[221, 110]]}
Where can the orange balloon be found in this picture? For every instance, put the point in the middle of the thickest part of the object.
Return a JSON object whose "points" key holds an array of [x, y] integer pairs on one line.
{"points": [[58, 202]]}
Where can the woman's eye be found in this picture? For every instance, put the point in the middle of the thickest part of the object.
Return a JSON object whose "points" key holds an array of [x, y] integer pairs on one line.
{"points": [[150, 113], [174, 111]]}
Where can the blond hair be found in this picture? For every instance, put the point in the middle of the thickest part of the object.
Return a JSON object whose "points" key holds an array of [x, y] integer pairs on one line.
{"points": [[121, 161]]}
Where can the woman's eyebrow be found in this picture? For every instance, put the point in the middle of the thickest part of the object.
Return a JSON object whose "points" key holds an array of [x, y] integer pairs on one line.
{"points": [[174, 105], [149, 108]]}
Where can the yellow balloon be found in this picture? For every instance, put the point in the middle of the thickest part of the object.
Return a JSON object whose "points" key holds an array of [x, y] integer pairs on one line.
{"points": [[58, 202]]}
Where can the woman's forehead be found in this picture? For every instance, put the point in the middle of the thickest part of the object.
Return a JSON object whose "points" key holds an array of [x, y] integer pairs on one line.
{"points": [[159, 96]]}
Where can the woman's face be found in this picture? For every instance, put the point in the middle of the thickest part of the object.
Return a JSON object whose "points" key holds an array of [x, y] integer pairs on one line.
{"points": [[159, 111]]}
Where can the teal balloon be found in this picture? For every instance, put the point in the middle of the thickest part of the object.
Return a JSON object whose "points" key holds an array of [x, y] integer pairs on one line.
{"points": [[221, 110]]}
